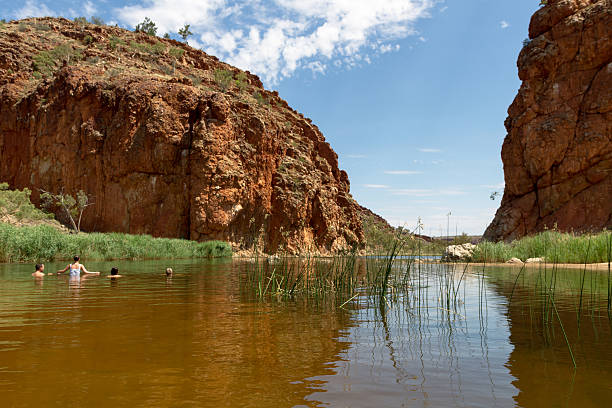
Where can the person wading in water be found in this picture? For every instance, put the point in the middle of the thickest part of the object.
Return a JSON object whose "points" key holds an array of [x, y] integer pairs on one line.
{"points": [[76, 268]]}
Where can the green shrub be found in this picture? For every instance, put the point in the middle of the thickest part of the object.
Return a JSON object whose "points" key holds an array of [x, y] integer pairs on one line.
{"points": [[242, 81], [176, 52], [17, 204], [80, 21], [261, 100], [113, 41], [87, 40], [223, 78], [157, 48], [42, 27]]}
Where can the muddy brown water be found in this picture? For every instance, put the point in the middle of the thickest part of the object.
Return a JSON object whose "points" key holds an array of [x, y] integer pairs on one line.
{"points": [[199, 340]]}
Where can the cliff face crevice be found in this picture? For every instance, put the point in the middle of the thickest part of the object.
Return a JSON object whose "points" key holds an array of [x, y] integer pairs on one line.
{"points": [[168, 140], [558, 152]]}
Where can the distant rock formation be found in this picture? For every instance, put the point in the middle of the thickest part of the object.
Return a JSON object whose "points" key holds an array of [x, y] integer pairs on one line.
{"points": [[558, 152], [167, 139]]}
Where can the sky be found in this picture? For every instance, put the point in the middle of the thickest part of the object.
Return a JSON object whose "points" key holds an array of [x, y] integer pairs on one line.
{"points": [[411, 94]]}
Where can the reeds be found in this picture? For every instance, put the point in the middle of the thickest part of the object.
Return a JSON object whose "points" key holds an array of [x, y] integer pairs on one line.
{"points": [[45, 243], [551, 245], [407, 284]]}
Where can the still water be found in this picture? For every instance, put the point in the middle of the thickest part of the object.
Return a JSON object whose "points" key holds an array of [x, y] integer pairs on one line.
{"points": [[198, 339]]}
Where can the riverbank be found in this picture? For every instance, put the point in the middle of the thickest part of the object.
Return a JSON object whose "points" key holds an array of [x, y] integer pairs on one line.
{"points": [[46, 243], [554, 246]]}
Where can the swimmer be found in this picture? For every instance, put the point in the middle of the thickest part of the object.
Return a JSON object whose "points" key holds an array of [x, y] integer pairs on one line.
{"points": [[76, 268], [40, 271], [114, 273], [169, 272]]}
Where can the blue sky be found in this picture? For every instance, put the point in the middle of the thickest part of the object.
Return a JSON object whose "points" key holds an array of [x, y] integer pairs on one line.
{"points": [[411, 94]]}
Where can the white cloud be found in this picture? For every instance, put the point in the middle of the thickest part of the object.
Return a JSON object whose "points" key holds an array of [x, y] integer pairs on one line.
{"points": [[402, 172], [429, 150], [504, 24], [276, 38], [443, 9], [33, 9], [427, 192], [378, 186], [422, 39], [89, 8], [413, 192], [498, 186]]}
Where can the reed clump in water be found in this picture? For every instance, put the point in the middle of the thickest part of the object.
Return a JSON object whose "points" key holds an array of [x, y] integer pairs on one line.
{"points": [[552, 245], [408, 285], [45, 243]]}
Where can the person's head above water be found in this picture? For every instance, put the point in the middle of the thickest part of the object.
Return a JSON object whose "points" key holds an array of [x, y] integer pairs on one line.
{"points": [[39, 267], [114, 270], [169, 271], [76, 258]]}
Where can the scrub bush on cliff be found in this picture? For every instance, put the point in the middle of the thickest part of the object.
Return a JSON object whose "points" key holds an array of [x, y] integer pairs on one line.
{"points": [[16, 204]]}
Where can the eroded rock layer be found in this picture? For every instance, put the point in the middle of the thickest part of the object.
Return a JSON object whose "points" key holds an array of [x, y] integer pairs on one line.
{"points": [[558, 152], [168, 140]]}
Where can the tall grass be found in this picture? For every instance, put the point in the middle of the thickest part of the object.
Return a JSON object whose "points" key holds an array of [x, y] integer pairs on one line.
{"points": [[554, 246], [45, 243]]}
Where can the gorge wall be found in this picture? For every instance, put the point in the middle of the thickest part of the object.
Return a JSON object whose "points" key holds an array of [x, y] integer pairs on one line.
{"points": [[557, 154], [167, 140]]}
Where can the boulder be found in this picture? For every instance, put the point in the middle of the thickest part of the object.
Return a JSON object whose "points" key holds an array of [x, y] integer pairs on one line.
{"points": [[461, 252]]}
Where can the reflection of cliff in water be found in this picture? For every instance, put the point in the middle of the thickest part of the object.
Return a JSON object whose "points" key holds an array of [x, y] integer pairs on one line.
{"points": [[148, 341], [540, 361]]}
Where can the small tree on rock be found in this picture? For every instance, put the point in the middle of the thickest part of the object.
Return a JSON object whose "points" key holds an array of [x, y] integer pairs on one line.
{"points": [[147, 26], [184, 32], [73, 208]]}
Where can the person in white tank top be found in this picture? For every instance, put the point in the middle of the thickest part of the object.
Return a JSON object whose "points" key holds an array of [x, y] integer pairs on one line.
{"points": [[76, 268]]}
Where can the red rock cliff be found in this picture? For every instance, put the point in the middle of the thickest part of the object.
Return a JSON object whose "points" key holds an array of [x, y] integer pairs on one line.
{"points": [[558, 152], [168, 140]]}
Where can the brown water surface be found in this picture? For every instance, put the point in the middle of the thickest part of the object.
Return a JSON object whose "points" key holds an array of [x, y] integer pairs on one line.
{"points": [[198, 339]]}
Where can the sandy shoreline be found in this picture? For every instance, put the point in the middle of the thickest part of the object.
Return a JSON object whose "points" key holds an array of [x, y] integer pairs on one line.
{"points": [[591, 267]]}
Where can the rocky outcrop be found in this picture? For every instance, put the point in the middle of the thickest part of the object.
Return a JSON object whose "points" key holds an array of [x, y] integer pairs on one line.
{"points": [[167, 140], [463, 252], [558, 152]]}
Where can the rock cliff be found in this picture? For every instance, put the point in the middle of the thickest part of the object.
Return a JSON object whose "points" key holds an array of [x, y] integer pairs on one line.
{"points": [[168, 141], [558, 152]]}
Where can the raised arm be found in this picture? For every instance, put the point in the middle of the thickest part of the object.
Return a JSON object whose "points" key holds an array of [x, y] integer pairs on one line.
{"points": [[64, 270], [86, 271]]}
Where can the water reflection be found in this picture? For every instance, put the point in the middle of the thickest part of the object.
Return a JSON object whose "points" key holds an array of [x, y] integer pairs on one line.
{"points": [[196, 339]]}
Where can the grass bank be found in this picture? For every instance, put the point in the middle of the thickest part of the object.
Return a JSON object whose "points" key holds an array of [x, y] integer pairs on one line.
{"points": [[46, 243], [554, 246]]}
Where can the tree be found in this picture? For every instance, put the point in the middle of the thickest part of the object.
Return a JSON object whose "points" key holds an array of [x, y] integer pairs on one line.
{"points": [[72, 207], [147, 26], [184, 32], [96, 20]]}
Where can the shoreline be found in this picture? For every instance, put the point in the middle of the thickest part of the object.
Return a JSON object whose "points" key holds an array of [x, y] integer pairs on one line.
{"points": [[601, 266]]}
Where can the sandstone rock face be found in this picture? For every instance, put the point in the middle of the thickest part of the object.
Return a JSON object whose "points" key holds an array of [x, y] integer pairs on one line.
{"points": [[558, 152], [168, 140]]}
